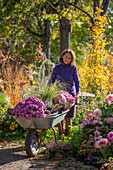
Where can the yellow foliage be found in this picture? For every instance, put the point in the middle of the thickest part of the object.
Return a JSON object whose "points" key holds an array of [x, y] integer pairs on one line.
{"points": [[54, 35], [94, 73]]}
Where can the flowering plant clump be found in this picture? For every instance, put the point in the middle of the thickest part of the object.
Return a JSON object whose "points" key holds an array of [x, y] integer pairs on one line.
{"points": [[100, 116], [108, 165], [107, 109], [65, 99], [52, 147], [58, 147], [30, 108], [102, 143], [92, 119], [98, 128]]}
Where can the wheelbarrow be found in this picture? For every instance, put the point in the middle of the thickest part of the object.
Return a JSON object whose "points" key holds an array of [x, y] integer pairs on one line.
{"points": [[32, 140]]}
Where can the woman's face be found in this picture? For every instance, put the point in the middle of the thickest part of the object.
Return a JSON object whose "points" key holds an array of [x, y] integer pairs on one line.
{"points": [[67, 58]]}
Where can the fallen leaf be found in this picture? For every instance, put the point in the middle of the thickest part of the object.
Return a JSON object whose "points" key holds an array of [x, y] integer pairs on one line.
{"points": [[30, 159]]}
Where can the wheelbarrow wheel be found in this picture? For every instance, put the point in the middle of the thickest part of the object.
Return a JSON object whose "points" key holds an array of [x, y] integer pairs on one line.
{"points": [[31, 146]]}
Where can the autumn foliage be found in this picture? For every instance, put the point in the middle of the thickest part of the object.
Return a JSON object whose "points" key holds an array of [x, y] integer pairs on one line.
{"points": [[14, 78], [96, 71]]}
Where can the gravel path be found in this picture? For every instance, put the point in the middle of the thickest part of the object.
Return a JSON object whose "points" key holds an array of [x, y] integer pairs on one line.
{"points": [[13, 157]]}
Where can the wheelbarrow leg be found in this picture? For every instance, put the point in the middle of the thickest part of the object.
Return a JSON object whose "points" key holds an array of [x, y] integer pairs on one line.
{"points": [[40, 135], [55, 135], [60, 128], [59, 125]]}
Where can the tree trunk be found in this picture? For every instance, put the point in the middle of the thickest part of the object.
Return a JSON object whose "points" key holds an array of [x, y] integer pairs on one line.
{"points": [[104, 6], [47, 44], [47, 38], [65, 29]]}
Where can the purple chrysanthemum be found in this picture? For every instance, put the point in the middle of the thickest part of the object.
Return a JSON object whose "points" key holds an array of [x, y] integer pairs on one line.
{"points": [[30, 108]]}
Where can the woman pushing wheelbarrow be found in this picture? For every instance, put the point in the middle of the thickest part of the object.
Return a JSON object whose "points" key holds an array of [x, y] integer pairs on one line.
{"points": [[67, 73], [32, 113]]}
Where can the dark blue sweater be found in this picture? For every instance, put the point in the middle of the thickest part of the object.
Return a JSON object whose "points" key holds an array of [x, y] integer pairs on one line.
{"points": [[68, 75]]}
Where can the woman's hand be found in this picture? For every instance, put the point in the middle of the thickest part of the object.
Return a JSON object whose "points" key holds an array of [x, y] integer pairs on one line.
{"points": [[77, 98]]}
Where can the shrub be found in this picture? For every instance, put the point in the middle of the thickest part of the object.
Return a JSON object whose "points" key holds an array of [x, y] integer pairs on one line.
{"points": [[8, 127]]}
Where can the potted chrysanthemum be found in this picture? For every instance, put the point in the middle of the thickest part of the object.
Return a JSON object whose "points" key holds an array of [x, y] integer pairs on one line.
{"points": [[30, 108]]}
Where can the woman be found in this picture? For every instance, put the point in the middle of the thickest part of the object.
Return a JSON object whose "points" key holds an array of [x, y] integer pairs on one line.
{"points": [[66, 72]]}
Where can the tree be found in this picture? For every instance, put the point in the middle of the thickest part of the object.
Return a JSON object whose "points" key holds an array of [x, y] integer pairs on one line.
{"points": [[32, 20], [95, 74], [27, 18]]}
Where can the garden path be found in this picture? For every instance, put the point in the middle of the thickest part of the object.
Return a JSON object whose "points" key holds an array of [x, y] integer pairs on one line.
{"points": [[13, 156]]}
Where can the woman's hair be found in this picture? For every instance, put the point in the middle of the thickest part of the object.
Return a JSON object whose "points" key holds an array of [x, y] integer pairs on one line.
{"points": [[73, 62]]}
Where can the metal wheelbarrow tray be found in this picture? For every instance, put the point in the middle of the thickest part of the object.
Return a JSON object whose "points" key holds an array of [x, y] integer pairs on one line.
{"points": [[32, 140], [41, 123]]}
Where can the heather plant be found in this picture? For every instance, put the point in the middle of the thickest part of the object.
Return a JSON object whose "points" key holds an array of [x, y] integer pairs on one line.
{"points": [[61, 148], [52, 147]]}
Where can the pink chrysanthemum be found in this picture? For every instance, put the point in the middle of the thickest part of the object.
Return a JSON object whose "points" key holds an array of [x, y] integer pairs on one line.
{"points": [[97, 112], [97, 133], [85, 122], [110, 97], [65, 99], [109, 120], [110, 135], [107, 100], [101, 143], [110, 139], [95, 122], [97, 145]]}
